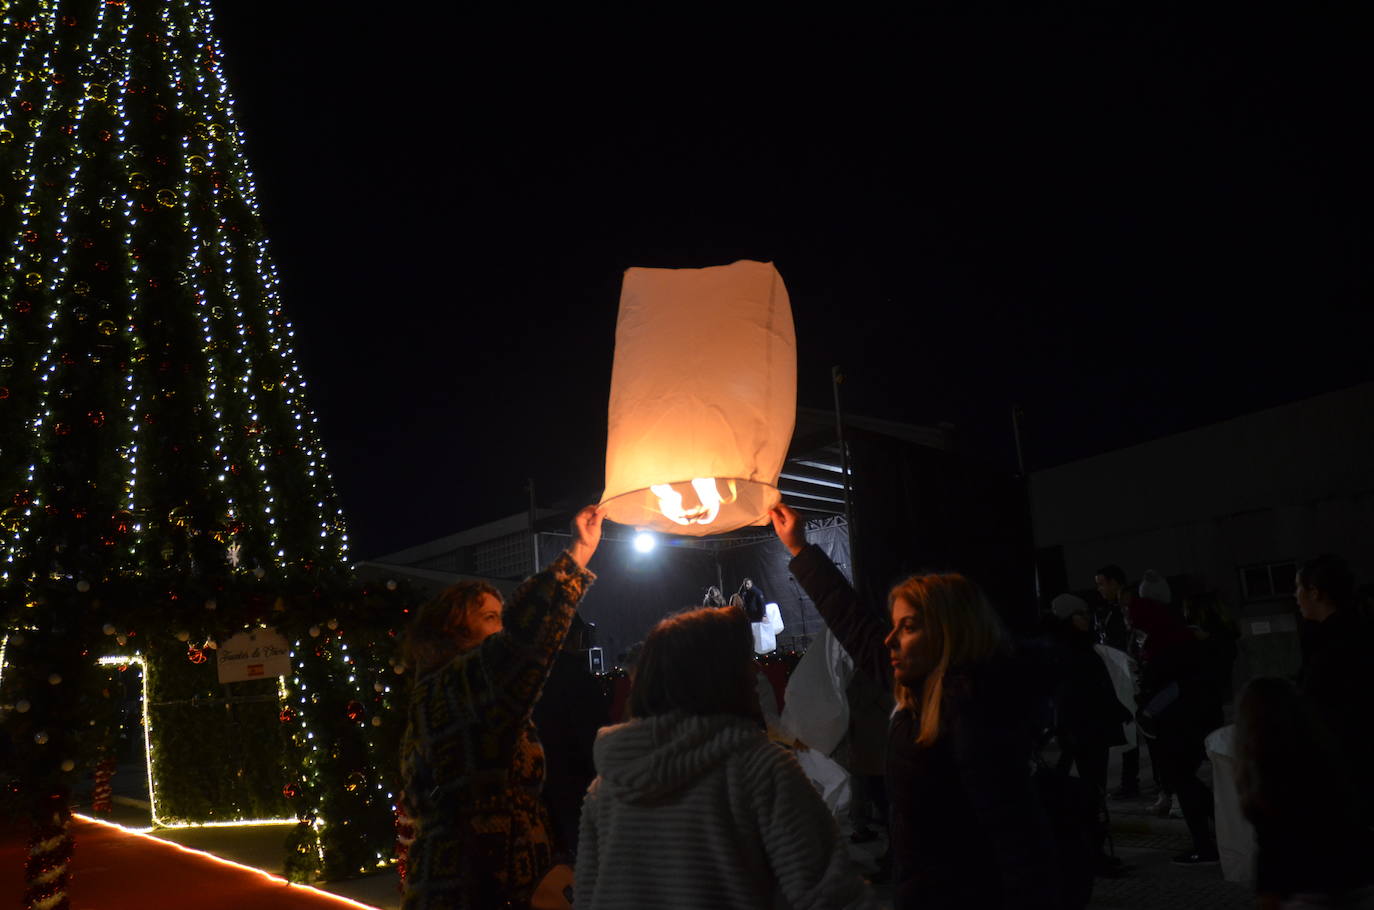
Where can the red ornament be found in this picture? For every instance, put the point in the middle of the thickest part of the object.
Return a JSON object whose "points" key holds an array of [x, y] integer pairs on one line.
{"points": [[355, 711], [287, 715], [195, 655], [291, 791]]}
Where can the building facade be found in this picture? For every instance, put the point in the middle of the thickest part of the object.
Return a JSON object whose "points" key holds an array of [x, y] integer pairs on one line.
{"points": [[1237, 506]]}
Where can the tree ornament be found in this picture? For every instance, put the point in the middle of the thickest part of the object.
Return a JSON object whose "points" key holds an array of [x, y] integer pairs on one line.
{"points": [[354, 781], [67, 764], [195, 655], [183, 635], [333, 623], [291, 790], [391, 584], [41, 737], [313, 631], [354, 710], [287, 715], [54, 679], [108, 628], [83, 586], [22, 706], [376, 721], [233, 554]]}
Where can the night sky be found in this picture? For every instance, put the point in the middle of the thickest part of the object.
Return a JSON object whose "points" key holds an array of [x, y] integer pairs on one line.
{"points": [[1128, 226]]}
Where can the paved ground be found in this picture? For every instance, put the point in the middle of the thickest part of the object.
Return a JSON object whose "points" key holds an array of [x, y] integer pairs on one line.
{"points": [[1144, 843]]}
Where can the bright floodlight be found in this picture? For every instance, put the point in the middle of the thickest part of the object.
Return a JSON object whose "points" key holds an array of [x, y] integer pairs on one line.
{"points": [[644, 541]]}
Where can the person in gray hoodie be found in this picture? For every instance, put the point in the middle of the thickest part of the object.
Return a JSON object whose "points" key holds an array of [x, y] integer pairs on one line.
{"points": [[693, 806]]}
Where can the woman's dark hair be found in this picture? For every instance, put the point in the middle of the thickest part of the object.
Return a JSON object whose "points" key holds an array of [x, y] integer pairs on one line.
{"points": [[1331, 576], [438, 633], [698, 661], [1113, 572]]}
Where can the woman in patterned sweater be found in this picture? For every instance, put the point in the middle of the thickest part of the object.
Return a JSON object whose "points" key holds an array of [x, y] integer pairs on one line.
{"points": [[472, 764]]}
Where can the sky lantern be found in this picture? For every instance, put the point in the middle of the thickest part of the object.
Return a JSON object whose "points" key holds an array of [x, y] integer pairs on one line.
{"points": [[703, 398]]}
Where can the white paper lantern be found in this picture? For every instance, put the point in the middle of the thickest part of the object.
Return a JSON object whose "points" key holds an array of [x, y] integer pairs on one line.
{"points": [[703, 398]]}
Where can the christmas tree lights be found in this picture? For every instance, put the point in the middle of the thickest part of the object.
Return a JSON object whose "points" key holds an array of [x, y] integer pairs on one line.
{"points": [[157, 451]]}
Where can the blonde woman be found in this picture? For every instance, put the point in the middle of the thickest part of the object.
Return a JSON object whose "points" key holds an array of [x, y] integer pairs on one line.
{"points": [[966, 829]]}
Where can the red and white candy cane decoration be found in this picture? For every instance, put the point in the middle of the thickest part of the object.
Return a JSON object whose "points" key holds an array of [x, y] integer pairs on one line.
{"points": [[100, 793], [405, 836], [50, 850]]}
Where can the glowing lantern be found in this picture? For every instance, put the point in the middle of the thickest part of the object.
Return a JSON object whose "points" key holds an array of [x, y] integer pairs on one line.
{"points": [[703, 398]]}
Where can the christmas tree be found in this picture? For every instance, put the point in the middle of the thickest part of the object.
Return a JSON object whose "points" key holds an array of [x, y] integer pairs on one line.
{"points": [[163, 484]]}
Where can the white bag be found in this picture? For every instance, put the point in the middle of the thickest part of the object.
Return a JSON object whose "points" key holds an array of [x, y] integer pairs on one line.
{"points": [[1235, 835], [814, 707], [764, 639], [773, 617], [1123, 681], [766, 632], [829, 777]]}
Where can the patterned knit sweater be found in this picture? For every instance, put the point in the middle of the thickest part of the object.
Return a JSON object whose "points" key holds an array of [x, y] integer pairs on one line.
{"points": [[471, 760], [704, 812]]}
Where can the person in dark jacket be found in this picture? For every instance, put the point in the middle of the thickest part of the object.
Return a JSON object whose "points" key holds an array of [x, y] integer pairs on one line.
{"points": [[966, 827], [1297, 789], [1335, 652], [471, 761], [755, 606], [1179, 709], [1089, 717]]}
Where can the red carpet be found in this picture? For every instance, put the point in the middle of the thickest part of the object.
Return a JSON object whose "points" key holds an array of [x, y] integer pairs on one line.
{"points": [[113, 869]]}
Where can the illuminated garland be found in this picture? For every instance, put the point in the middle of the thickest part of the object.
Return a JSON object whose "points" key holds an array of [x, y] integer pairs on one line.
{"points": [[163, 475]]}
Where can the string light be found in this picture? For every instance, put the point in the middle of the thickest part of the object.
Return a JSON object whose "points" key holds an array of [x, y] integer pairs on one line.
{"points": [[143, 833]]}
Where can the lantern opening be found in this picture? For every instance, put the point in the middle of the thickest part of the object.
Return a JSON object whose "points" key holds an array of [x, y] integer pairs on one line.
{"points": [[708, 504]]}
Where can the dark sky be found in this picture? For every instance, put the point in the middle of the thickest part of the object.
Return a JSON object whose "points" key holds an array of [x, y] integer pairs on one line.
{"points": [[1129, 226]]}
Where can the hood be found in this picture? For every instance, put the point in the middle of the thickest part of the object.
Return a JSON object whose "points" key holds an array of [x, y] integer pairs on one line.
{"points": [[649, 759]]}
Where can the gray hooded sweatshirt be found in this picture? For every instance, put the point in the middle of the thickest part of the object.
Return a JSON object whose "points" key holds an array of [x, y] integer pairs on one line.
{"points": [[691, 811]]}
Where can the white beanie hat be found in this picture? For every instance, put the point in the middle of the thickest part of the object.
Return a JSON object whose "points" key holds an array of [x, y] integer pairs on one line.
{"points": [[1066, 605], [1155, 587]]}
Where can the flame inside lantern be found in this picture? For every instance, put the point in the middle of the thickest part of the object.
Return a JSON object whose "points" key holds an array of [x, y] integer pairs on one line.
{"points": [[708, 504]]}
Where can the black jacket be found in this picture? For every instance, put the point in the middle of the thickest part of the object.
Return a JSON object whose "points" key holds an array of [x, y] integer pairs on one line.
{"points": [[754, 605], [1335, 680], [967, 829], [1085, 698]]}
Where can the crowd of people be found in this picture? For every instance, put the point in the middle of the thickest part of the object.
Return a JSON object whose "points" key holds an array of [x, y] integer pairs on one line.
{"points": [[690, 803]]}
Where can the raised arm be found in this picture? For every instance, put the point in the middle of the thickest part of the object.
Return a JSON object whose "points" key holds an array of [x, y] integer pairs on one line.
{"points": [[860, 632], [514, 663]]}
